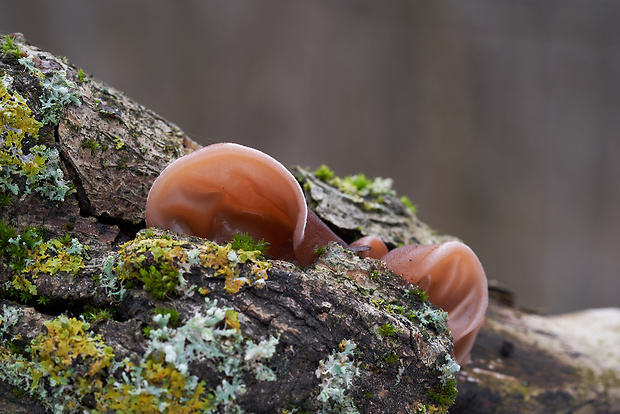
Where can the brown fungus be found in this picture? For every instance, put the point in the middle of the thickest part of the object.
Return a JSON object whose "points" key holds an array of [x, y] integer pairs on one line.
{"points": [[227, 188]]}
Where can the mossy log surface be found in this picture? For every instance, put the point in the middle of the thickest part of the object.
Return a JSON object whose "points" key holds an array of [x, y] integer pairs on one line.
{"points": [[343, 335]]}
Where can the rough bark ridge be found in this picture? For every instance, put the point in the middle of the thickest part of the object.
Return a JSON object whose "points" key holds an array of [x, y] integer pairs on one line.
{"points": [[98, 316]]}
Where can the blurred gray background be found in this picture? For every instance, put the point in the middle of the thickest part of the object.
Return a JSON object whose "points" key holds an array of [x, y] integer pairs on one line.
{"points": [[498, 118]]}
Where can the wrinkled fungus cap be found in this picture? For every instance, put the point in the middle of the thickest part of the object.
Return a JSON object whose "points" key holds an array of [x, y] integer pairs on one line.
{"points": [[227, 188], [454, 279]]}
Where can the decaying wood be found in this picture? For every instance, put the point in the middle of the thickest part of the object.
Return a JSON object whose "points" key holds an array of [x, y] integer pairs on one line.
{"points": [[311, 311]]}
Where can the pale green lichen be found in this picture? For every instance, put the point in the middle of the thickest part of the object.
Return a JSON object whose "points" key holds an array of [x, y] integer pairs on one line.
{"points": [[161, 379], [25, 166], [58, 91], [431, 316], [425, 313], [448, 370], [336, 374]]}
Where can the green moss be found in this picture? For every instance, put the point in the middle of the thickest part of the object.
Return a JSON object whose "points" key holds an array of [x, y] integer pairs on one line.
{"points": [[94, 314], [173, 315], [16, 248], [10, 47], [387, 331], [160, 263], [81, 76], [160, 282], [410, 206], [445, 394], [429, 409], [320, 250], [324, 173], [391, 358], [90, 143], [369, 193], [243, 241]]}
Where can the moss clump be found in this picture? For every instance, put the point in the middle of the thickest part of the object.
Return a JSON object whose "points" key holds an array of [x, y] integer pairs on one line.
{"points": [[410, 206], [94, 314], [243, 241], [90, 143], [11, 48], [367, 192], [387, 331], [160, 264], [445, 394], [16, 248], [324, 173]]}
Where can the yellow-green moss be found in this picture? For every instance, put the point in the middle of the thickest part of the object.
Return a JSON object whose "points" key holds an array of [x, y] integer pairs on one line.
{"points": [[36, 168], [160, 263], [26, 255], [16, 118], [429, 409], [168, 390], [56, 255], [67, 354]]}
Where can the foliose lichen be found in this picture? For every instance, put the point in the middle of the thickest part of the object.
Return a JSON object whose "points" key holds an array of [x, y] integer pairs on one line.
{"points": [[24, 165], [68, 363], [58, 91], [337, 373]]}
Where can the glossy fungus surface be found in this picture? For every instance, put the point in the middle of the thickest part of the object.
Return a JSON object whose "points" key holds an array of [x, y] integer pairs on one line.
{"points": [[455, 281], [227, 188]]}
